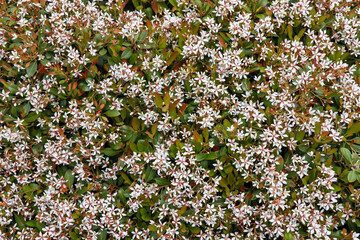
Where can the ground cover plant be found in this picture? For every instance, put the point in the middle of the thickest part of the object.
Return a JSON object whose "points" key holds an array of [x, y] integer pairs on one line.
{"points": [[181, 119]]}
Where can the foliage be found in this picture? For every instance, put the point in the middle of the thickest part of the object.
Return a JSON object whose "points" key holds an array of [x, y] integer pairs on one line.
{"points": [[181, 119]]}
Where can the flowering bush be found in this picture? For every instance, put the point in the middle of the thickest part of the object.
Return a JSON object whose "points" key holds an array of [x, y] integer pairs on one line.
{"points": [[180, 119]]}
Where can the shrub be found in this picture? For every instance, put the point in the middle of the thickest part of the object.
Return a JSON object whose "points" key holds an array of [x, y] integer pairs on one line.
{"points": [[179, 119]]}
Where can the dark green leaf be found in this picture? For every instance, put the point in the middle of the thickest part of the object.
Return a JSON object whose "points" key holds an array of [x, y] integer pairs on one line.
{"points": [[207, 156], [355, 128], [122, 195], [20, 221], [162, 181], [84, 87], [31, 223], [152, 228], [26, 109], [110, 152], [126, 54], [143, 35], [347, 154], [31, 69], [112, 113], [194, 229], [142, 145], [145, 215], [74, 236], [40, 225], [69, 177], [246, 8], [149, 174], [303, 148], [173, 2], [13, 88], [337, 235], [31, 118], [102, 235]]}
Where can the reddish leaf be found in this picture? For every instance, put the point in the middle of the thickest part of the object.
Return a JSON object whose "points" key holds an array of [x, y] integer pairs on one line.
{"points": [[155, 6]]}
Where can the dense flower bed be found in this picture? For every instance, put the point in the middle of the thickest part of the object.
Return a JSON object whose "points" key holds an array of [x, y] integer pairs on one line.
{"points": [[181, 119]]}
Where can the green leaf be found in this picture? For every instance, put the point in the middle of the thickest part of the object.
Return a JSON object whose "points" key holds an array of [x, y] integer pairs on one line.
{"points": [[167, 98], [133, 147], [84, 87], [131, 136], [33, 116], [152, 228], [337, 235], [205, 133], [312, 175], [300, 135], [355, 158], [20, 221], [228, 169], [356, 147], [290, 31], [352, 176], [261, 16], [289, 236], [303, 148], [110, 152], [133, 58], [13, 88], [30, 189], [149, 12], [27, 189], [355, 128], [102, 52], [347, 154], [358, 175], [262, 3], [194, 229], [31, 223], [172, 57], [162, 181], [26, 109], [246, 8], [69, 177], [357, 221], [149, 174], [123, 195], [201, 156], [114, 146], [143, 35], [40, 225], [141, 145], [31, 69], [207, 156], [221, 152], [74, 236], [212, 156], [102, 235], [173, 2], [136, 4], [112, 113], [126, 54], [158, 100], [145, 215]]}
